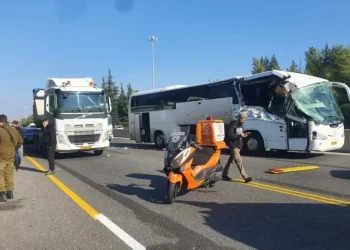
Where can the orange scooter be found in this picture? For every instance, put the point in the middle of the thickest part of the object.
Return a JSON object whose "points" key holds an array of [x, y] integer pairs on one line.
{"points": [[192, 162]]}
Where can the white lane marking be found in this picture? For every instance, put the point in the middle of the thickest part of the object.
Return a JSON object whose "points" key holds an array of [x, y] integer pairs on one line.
{"points": [[124, 138], [320, 153], [336, 153], [130, 241]]}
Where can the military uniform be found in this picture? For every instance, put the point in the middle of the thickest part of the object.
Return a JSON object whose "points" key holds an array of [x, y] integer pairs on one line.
{"points": [[7, 160]]}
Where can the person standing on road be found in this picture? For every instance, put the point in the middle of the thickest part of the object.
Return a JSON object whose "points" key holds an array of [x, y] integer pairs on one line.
{"points": [[49, 137], [10, 141], [235, 144], [15, 124]]}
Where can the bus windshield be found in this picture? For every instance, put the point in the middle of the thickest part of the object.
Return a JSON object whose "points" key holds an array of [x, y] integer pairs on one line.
{"points": [[87, 101], [317, 101]]}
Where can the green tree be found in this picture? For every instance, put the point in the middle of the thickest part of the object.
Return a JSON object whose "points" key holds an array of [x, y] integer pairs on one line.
{"points": [[111, 90], [332, 64], [26, 121], [130, 91], [123, 106], [273, 64], [259, 65], [293, 67]]}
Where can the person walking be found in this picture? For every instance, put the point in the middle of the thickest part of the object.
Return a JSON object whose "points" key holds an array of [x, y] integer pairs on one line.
{"points": [[10, 141], [16, 125], [49, 137], [235, 144]]}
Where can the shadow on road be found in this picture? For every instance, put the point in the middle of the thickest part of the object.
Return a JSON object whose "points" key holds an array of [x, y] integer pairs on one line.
{"points": [[341, 174], [30, 151], [155, 192], [267, 154], [285, 155], [279, 226], [135, 146], [29, 169]]}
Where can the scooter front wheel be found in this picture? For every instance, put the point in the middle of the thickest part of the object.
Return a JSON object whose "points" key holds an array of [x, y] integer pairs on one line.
{"points": [[173, 190]]}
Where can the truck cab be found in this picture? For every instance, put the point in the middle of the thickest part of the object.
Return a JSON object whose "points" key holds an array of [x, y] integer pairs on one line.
{"points": [[79, 111]]}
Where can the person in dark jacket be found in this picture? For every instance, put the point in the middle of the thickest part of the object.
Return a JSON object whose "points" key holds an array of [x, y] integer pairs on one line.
{"points": [[10, 140], [235, 144], [49, 137]]}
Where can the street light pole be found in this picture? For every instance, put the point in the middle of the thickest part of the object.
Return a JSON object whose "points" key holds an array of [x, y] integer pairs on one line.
{"points": [[152, 39]]}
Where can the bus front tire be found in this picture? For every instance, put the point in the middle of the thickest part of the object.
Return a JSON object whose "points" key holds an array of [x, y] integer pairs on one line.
{"points": [[254, 143], [159, 140]]}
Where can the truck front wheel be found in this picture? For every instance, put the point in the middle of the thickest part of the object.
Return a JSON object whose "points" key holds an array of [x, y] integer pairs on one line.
{"points": [[98, 152]]}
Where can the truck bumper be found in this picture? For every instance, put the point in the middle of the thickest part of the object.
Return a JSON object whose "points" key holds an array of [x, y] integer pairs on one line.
{"points": [[71, 148]]}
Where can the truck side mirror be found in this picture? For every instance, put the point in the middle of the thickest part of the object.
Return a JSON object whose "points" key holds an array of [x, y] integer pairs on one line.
{"points": [[47, 106], [109, 105]]}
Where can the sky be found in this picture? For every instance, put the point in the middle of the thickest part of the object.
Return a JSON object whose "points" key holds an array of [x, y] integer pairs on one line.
{"points": [[197, 40]]}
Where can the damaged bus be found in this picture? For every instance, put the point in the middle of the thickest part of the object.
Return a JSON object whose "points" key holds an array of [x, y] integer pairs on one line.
{"points": [[286, 111]]}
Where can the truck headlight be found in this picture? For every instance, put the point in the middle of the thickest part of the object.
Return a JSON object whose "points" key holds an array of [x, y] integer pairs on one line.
{"points": [[60, 139], [105, 136]]}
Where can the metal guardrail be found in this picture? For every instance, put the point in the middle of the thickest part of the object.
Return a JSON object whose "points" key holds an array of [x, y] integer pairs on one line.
{"points": [[124, 133]]}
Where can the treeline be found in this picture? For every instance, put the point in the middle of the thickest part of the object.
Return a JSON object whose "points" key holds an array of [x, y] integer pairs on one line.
{"points": [[119, 99], [332, 63]]}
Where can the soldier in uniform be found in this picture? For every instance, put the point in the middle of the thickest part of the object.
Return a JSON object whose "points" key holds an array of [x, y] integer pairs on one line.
{"points": [[10, 141], [15, 124]]}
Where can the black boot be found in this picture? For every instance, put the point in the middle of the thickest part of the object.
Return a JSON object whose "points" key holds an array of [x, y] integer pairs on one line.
{"points": [[9, 195], [3, 197]]}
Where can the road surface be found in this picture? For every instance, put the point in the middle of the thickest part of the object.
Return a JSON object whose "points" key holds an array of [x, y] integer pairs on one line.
{"points": [[301, 210]]}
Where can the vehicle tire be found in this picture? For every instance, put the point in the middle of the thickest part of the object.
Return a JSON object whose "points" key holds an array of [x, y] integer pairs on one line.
{"points": [[159, 140], [173, 190], [254, 144], [98, 152]]}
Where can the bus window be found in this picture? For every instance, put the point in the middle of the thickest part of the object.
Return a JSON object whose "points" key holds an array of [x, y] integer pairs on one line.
{"points": [[223, 91]]}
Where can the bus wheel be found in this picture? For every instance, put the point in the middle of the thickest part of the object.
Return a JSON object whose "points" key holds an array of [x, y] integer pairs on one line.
{"points": [[159, 140], [255, 143]]}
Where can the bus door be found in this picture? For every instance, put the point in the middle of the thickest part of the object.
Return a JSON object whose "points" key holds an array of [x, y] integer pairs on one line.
{"points": [[298, 133], [276, 134], [137, 127]]}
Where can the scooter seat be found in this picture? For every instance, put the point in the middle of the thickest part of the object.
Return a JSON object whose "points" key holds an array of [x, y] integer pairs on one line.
{"points": [[201, 157]]}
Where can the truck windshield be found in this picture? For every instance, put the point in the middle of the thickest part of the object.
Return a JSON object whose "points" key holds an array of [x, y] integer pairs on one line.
{"points": [[86, 101], [317, 101]]}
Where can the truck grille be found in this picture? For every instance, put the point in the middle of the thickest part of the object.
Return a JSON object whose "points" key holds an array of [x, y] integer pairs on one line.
{"points": [[81, 139]]}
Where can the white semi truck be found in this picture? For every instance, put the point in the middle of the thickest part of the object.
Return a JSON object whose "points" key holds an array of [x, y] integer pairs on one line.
{"points": [[80, 112]]}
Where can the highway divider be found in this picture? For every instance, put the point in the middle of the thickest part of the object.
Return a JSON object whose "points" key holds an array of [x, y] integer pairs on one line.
{"points": [[124, 133]]}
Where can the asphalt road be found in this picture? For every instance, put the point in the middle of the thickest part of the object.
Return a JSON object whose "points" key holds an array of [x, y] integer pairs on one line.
{"points": [[126, 185]]}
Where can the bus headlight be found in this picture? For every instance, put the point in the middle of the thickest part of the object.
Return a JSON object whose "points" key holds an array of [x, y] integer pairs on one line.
{"points": [[318, 135]]}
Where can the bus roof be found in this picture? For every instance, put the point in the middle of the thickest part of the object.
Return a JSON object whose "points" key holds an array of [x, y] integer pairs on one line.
{"points": [[300, 80]]}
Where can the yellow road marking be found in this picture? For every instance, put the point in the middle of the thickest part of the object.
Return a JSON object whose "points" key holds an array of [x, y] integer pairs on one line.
{"points": [[290, 169], [309, 196], [86, 207]]}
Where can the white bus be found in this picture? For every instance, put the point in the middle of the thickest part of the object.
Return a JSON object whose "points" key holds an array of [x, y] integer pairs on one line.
{"points": [[286, 111]]}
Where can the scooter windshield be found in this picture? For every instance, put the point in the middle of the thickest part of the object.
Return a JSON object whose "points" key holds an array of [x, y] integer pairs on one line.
{"points": [[178, 138]]}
